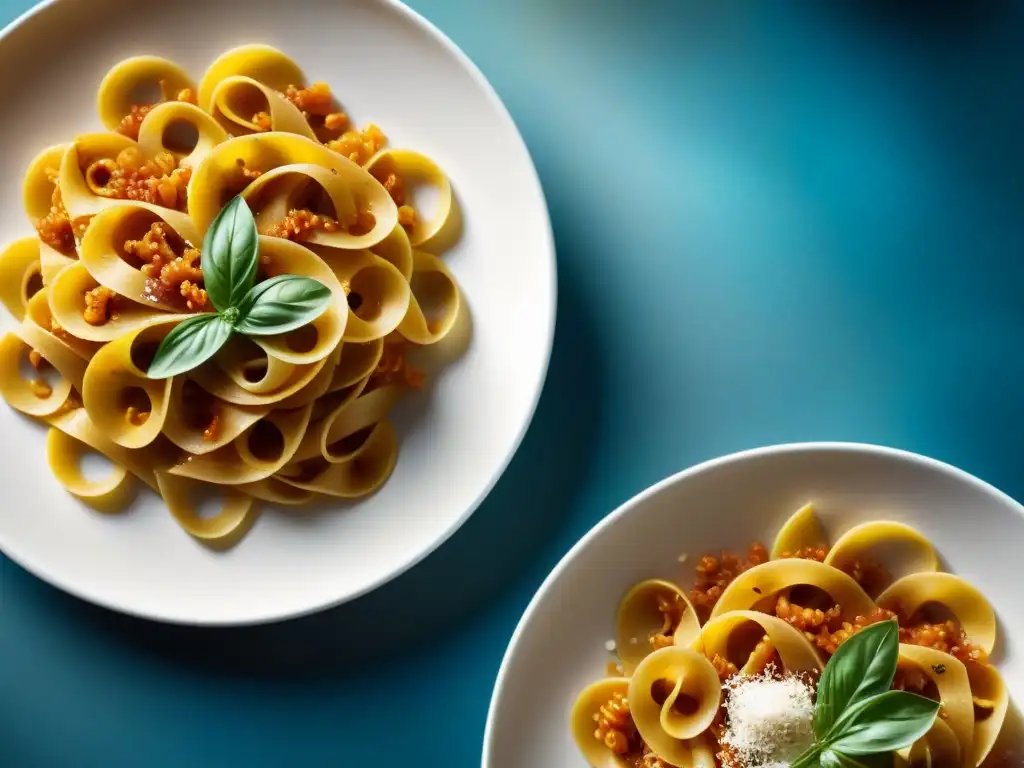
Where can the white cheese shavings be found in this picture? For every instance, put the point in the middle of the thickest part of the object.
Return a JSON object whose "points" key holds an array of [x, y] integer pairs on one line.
{"points": [[770, 720]]}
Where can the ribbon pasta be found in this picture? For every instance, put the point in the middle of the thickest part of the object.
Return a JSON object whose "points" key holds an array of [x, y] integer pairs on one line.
{"points": [[784, 615], [120, 217]]}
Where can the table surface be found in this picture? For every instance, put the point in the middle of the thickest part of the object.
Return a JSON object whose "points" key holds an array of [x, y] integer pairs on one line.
{"points": [[775, 222]]}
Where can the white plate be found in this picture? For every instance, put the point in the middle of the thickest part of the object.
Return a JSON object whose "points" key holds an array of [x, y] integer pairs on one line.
{"points": [[388, 66], [559, 645]]}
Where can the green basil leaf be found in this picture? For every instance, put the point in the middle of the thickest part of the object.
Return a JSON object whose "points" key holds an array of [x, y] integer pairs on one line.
{"points": [[862, 666], [230, 255], [809, 758], [191, 343], [282, 304], [884, 723], [832, 759]]}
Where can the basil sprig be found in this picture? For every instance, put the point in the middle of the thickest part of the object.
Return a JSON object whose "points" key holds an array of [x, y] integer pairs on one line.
{"points": [[230, 260], [857, 719]]}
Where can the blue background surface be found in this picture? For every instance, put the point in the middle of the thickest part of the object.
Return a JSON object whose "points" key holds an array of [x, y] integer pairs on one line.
{"points": [[775, 222]]}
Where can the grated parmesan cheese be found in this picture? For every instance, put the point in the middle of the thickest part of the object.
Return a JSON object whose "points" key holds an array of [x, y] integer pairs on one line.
{"points": [[769, 720]]}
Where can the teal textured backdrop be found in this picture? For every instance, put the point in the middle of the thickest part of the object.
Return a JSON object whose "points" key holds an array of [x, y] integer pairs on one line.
{"points": [[775, 222]]}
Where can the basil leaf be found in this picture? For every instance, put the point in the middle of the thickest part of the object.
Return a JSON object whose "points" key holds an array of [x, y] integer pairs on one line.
{"points": [[191, 343], [862, 666], [229, 258], [282, 304], [831, 759], [809, 758], [884, 723]]}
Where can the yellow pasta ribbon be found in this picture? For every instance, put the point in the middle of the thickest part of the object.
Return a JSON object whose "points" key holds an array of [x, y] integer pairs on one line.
{"points": [[120, 90], [672, 733], [366, 469], [64, 453], [51, 263], [40, 181], [800, 531], [416, 169], [260, 62], [991, 701], [967, 604], [357, 361], [435, 301], [385, 296], [884, 541], [260, 451], [648, 611], [396, 250], [80, 200], [114, 377], [102, 248], [938, 749], [796, 652], [590, 707], [775, 576], [273, 490], [221, 531], [158, 131], [73, 429], [278, 156], [950, 678], [231, 419], [20, 276], [18, 392], [67, 303], [353, 414], [213, 379], [38, 312], [237, 99]]}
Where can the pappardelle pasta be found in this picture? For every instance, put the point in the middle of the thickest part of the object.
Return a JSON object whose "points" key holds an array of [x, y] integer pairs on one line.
{"points": [[725, 674], [117, 263]]}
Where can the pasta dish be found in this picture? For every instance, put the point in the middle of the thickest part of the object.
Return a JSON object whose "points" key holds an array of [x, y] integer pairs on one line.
{"points": [[227, 291], [747, 668]]}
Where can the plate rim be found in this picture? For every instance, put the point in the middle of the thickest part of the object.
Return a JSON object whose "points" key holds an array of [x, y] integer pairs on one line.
{"points": [[640, 497], [488, 91]]}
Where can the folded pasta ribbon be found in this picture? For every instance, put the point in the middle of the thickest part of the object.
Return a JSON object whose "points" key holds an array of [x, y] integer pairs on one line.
{"points": [[972, 611], [127, 405], [103, 249], [68, 302], [238, 99], [20, 274], [414, 170], [167, 127], [40, 183], [653, 611], [367, 466], [183, 495], [140, 80], [776, 576], [674, 695], [262, 63], [287, 164]]}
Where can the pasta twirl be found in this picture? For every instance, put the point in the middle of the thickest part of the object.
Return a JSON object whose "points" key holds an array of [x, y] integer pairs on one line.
{"points": [[117, 263], [652, 615]]}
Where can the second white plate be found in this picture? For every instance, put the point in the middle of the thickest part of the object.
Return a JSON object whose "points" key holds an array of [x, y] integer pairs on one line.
{"points": [[559, 646]]}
